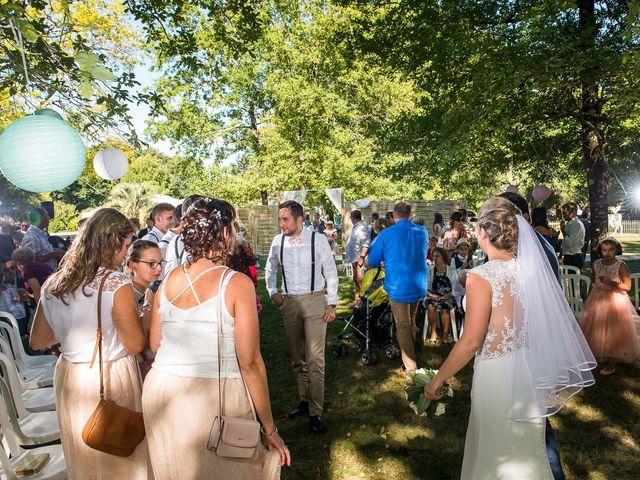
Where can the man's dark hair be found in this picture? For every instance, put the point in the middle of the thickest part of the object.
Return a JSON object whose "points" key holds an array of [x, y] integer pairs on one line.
{"points": [[517, 200], [356, 215], [161, 207], [389, 215], [375, 216], [402, 210], [295, 208], [464, 213]]}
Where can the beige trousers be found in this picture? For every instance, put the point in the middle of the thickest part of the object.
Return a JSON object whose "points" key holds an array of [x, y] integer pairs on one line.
{"points": [[405, 318], [306, 333]]}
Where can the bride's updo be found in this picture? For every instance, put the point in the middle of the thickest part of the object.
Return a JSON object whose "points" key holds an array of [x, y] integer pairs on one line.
{"points": [[208, 229], [498, 218]]}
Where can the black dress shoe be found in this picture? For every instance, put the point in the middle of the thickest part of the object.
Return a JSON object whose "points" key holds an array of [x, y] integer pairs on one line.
{"points": [[302, 410], [316, 424]]}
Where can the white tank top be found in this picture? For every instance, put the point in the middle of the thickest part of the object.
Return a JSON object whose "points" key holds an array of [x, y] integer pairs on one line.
{"points": [[189, 345]]}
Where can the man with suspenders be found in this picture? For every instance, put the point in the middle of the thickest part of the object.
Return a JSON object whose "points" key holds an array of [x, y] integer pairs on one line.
{"points": [[306, 262]]}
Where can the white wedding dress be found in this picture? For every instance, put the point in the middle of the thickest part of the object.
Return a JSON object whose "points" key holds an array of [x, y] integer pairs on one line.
{"points": [[496, 446]]}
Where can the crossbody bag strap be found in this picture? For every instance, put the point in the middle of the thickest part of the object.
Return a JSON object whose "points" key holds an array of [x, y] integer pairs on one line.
{"points": [[284, 278], [221, 291], [98, 345], [313, 261]]}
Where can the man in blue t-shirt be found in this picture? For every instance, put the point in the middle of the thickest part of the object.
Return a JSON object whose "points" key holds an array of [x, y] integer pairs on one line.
{"points": [[402, 248]]}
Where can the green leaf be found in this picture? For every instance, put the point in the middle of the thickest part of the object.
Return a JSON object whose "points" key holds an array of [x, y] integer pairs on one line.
{"points": [[86, 89], [431, 409], [422, 404], [86, 60], [27, 30], [102, 73]]}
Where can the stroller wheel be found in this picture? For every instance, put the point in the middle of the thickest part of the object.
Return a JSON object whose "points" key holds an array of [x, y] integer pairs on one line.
{"points": [[340, 350], [390, 351], [369, 357]]}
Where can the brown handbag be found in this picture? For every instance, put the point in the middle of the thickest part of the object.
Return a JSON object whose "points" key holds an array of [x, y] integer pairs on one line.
{"points": [[111, 428], [229, 436]]}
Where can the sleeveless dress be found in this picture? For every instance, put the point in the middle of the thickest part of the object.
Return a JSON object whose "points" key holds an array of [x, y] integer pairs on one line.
{"points": [[496, 446], [180, 398], [77, 385], [608, 318]]}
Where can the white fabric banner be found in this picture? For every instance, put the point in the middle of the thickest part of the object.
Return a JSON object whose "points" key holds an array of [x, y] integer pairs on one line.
{"points": [[335, 195], [295, 195]]}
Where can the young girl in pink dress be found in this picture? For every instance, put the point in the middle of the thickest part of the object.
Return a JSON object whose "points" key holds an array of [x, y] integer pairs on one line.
{"points": [[608, 317]]}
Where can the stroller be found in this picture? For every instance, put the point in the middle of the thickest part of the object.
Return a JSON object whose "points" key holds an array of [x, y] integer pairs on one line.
{"points": [[371, 324]]}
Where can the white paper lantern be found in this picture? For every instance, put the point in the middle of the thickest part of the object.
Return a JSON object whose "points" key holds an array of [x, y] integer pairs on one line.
{"points": [[110, 163], [41, 153], [512, 189], [541, 193]]}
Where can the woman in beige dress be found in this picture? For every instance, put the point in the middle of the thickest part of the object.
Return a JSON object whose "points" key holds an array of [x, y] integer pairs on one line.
{"points": [[67, 314], [181, 393]]}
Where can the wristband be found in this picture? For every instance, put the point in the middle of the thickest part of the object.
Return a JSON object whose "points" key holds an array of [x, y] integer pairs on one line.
{"points": [[273, 432]]}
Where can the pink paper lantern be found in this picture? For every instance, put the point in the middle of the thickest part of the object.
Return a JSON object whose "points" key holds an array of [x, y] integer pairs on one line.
{"points": [[541, 193], [512, 189]]}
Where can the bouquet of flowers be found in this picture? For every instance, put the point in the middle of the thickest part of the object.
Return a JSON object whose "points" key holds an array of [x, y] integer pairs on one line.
{"points": [[414, 392]]}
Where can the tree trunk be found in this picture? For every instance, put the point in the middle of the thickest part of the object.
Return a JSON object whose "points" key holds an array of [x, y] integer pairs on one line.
{"points": [[591, 131], [253, 119]]}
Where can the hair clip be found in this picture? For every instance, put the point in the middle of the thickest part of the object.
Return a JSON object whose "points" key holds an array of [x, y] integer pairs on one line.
{"points": [[216, 214], [203, 222]]}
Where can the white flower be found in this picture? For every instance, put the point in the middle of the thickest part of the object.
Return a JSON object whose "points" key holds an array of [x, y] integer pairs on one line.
{"points": [[439, 409], [203, 222]]}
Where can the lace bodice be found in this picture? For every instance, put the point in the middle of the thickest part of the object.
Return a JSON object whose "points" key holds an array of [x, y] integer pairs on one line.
{"points": [[113, 283], [502, 335], [610, 271]]}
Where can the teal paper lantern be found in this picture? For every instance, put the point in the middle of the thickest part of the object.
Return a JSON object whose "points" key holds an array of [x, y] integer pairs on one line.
{"points": [[49, 112], [41, 153]]}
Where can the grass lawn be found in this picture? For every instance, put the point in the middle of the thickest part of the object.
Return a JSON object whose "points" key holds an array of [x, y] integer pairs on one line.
{"points": [[372, 433]]}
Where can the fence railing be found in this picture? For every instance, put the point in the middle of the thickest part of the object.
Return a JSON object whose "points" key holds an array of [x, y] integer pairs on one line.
{"points": [[623, 228]]}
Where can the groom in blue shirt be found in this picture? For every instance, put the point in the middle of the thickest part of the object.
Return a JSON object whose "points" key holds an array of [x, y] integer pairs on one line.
{"points": [[402, 248]]}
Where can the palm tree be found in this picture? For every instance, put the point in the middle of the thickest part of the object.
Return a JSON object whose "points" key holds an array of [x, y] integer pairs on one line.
{"points": [[133, 199]]}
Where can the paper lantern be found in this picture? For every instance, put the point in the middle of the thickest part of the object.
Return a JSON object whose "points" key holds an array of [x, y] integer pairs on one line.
{"points": [[541, 193], [41, 153], [49, 112], [110, 164], [512, 189]]}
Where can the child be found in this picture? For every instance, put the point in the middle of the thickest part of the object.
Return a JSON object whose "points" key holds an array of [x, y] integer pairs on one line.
{"points": [[433, 244], [607, 320], [461, 261]]}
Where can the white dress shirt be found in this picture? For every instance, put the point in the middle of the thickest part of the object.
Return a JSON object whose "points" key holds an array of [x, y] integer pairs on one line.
{"points": [[359, 237], [154, 235], [573, 238], [37, 240], [175, 254], [297, 266]]}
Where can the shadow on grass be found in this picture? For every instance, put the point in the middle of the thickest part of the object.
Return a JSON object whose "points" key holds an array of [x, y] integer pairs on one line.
{"points": [[372, 434]]}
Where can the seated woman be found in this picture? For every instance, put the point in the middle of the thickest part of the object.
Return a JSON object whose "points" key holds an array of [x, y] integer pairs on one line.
{"points": [[204, 330], [440, 281], [33, 273]]}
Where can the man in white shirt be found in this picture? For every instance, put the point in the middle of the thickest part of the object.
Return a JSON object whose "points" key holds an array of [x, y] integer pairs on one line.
{"points": [[162, 215], [356, 248], [37, 239], [573, 233], [174, 252], [306, 261]]}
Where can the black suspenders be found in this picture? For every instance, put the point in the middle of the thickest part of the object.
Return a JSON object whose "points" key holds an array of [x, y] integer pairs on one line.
{"points": [[313, 262]]}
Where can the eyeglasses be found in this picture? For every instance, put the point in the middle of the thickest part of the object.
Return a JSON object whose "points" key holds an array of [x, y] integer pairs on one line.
{"points": [[154, 265]]}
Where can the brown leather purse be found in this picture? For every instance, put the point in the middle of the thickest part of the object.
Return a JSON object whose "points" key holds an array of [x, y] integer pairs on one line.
{"points": [[111, 428]]}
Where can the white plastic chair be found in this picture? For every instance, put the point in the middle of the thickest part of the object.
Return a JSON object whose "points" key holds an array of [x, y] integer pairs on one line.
{"points": [[10, 325], [29, 428], [55, 468], [34, 400], [569, 270], [572, 286], [635, 290], [348, 270], [426, 329], [30, 378]]}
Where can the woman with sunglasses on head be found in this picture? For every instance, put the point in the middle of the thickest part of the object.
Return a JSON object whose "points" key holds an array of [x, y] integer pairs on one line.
{"points": [[145, 265], [68, 314]]}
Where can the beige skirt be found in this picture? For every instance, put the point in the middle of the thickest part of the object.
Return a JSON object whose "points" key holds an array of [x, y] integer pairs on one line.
{"points": [[178, 414], [77, 389]]}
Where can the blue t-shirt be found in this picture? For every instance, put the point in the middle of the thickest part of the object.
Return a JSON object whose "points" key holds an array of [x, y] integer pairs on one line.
{"points": [[403, 249]]}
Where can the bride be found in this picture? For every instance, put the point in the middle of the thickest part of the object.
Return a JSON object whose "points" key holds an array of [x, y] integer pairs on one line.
{"points": [[531, 356]]}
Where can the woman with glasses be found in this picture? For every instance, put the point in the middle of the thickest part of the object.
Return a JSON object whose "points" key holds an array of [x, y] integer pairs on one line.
{"points": [[456, 231], [145, 265], [68, 314]]}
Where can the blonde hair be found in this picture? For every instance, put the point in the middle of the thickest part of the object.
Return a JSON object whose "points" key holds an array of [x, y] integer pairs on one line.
{"points": [[498, 218], [97, 245]]}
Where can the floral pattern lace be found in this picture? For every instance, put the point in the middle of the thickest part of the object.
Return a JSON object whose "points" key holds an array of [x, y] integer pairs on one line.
{"points": [[610, 271], [113, 283], [502, 336]]}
